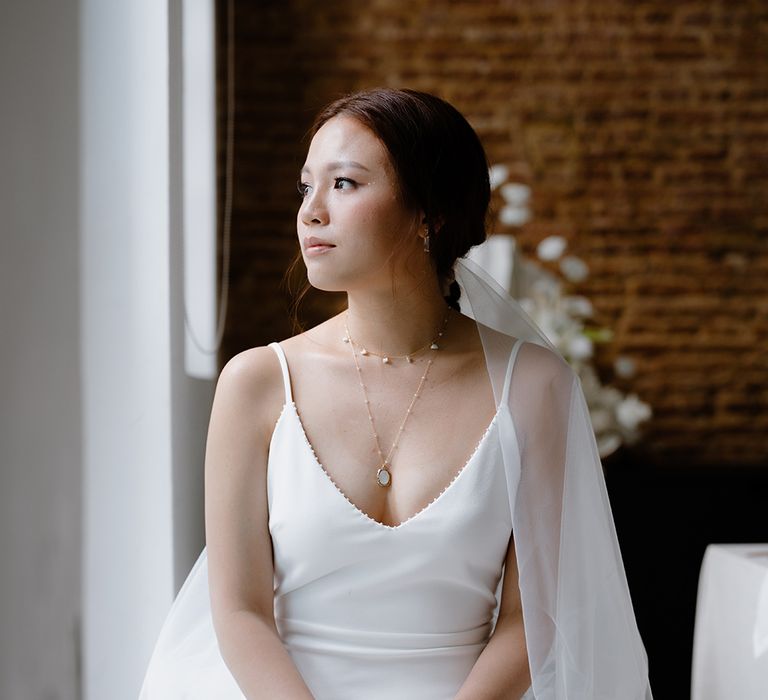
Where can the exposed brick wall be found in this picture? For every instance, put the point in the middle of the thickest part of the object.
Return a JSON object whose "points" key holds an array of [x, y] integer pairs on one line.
{"points": [[642, 129]]}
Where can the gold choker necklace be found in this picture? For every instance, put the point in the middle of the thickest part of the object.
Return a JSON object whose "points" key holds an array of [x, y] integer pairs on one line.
{"points": [[387, 359]]}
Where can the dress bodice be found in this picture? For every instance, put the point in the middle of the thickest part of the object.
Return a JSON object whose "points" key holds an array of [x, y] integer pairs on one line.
{"points": [[406, 609], [367, 611]]}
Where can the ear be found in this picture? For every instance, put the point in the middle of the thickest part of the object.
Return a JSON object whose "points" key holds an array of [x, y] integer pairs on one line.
{"points": [[437, 222], [422, 225]]}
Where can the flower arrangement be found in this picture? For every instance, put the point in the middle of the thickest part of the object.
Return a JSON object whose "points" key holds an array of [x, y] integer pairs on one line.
{"points": [[564, 318]]}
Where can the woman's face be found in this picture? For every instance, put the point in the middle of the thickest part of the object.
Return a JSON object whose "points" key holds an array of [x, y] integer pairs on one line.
{"points": [[350, 202]]}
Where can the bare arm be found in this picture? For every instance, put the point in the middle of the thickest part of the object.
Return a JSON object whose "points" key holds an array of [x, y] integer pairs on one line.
{"points": [[501, 671], [240, 568]]}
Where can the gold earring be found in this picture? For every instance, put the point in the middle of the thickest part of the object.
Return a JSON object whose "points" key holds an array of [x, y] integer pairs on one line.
{"points": [[426, 243]]}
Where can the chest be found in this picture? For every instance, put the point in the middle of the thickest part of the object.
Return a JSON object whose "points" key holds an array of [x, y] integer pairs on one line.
{"points": [[423, 443], [313, 521]]}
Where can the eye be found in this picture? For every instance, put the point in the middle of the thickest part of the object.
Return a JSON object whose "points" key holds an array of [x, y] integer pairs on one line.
{"points": [[302, 187], [344, 183]]}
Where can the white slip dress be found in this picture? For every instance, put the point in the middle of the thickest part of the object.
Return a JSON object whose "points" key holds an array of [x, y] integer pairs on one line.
{"points": [[367, 611]]}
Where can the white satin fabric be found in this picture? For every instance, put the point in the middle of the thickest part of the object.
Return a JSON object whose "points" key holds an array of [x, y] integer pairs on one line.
{"points": [[367, 611]]}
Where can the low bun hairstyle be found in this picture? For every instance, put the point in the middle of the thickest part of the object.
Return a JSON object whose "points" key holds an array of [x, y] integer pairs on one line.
{"points": [[440, 165]]}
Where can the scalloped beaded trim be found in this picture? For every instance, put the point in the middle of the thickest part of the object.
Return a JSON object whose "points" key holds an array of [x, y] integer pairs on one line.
{"points": [[362, 513]]}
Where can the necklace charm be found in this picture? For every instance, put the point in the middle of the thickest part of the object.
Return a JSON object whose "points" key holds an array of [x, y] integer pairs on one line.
{"points": [[388, 359], [383, 476]]}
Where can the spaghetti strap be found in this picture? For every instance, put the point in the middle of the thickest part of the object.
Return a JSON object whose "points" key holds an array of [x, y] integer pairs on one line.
{"points": [[512, 356], [284, 367]]}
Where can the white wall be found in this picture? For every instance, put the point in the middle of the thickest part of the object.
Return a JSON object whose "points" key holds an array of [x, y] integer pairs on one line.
{"points": [[101, 433], [125, 337], [39, 351], [191, 398], [144, 420]]}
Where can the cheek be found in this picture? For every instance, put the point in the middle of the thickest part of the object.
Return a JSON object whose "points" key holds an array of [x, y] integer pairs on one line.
{"points": [[384, 223]]}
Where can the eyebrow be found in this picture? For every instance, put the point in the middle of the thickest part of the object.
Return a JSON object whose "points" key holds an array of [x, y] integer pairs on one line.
{"points": [[339, 164]]}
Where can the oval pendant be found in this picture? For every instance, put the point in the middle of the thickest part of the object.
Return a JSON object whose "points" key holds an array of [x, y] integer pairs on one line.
{"points": [[383, 477]]}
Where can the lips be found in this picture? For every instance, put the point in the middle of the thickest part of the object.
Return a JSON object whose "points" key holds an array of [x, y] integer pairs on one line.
{"points": [[313, 242]]}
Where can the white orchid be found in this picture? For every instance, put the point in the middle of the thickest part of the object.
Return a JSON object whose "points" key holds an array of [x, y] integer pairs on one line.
{"points": [[551, 248], [574, 269], [514, 216], [515, 211], [624, 366], [602, 420], [607, 443], [615, 418], [579, 306], [497, 175], [631, 412], [580, 347], [516, 194]]}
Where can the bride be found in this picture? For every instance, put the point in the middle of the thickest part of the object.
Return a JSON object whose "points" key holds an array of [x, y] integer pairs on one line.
{"points": [[405, 500]]}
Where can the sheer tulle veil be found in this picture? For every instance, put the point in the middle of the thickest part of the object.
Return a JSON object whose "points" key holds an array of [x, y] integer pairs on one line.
{"points": [[581, 634]]}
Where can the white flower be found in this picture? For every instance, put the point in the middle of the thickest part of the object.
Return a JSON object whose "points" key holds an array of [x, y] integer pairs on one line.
{"points": [[551, 248], [607, 444], [580, 347], [631, 412], [612, 396], [574, 269], [579, 306], [516, 194], [547, 287], [498, 174], [590, 384], [624, 366], [514, 215], [602, 420], [614, 416]]}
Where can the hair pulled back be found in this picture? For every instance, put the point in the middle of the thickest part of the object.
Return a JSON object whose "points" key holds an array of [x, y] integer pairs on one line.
{"points": [[439, 162]]}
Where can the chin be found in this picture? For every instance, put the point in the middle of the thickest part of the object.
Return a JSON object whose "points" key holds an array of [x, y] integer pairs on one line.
{"points": [[326, 282], [340, 276]]}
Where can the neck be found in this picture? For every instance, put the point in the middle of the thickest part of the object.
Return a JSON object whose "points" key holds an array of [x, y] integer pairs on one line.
{"points": [[396, 325]]}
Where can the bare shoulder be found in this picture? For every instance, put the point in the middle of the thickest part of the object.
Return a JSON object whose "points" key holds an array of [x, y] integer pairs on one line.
{"points": [[251, 384], [252, 368], [535, 361], [542, 364]]}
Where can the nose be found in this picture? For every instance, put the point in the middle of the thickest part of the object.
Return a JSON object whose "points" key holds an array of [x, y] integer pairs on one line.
{"points": [[313, 210]]}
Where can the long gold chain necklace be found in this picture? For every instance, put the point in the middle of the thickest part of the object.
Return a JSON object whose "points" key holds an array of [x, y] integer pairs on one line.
{"points": [[383, 473]]}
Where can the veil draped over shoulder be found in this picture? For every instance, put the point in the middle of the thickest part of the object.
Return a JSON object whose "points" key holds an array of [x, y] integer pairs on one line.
{"points": [[580, 629]]}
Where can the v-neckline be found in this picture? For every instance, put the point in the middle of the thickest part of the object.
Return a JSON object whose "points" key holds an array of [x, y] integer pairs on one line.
{"points": [[326, 475]]}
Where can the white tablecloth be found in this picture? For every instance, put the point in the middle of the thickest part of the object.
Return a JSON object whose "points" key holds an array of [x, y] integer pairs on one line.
{"points": [[730, 645]]}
